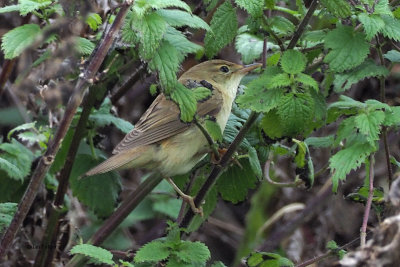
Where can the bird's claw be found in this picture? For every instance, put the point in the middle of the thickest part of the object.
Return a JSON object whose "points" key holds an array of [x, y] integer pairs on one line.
{"points": [[190, 201]]}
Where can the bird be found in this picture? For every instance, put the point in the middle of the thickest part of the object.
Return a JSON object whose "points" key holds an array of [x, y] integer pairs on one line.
{"points": [[162, 142]]}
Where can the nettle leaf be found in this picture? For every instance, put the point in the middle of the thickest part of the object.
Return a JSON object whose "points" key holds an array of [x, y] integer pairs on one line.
{"points": [[224, 26], [22, 127], [392, 117], [369, 124], [102, 117], [347, 159], [393, 56], [249, 46], [320, 142], [255, 163], [339, 8], [96, 253], [368, 68], [307, 80], [186, 101], [280, 80], [382, 7], [178, 40], [152, 252], [293, 62], [343, 57], [192, 252], [253, 7], [372, 24], [15, 160], [281, 25], [201, 93], [10, 8], [84, 46], [392, 28], [166, 61], [12, 171], [28, 6], [98, 192], [167, 205], [179, 18], [296, 112], [142, 6], [213, 130], [151, 30], [94, 21], [7, 211], [18, 39], [272, 125], [257, 97], [234, 183], [268, 259]]}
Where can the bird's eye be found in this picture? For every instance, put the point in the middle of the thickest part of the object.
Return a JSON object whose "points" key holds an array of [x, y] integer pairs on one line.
{"points": [[224, 69]]}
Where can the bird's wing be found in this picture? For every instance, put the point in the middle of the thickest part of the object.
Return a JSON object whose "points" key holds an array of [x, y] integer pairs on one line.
{"points": [[162, 120]]}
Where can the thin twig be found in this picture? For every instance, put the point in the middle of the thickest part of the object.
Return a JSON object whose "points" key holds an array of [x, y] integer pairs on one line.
{"points": [[210, 141], [297, 34], [363, 234], [84, 81], [264, 53]]}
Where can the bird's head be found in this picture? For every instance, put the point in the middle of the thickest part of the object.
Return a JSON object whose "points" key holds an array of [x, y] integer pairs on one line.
{"points": [[222, 74]]}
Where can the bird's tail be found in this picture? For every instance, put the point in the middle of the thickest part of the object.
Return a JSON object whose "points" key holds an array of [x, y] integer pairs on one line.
{"points": [[118, 161]]}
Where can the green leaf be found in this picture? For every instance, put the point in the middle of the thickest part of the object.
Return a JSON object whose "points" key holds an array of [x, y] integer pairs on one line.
{"points": [[83, 46], [142, 6], [179, 18], [369, 124], [193, 252], [16, 160], [293, 62], [213, 130], [152, 252], [166, 62], [22, 127], [186, 102], [259, 99], [272, 125], [346, 102], [339, 8], [265, 259], [168, 206], [18, 39], [98, 192], [382, 7], [253, 7], [280, 80], [392, 117], [94, 21], [392, 28], [11, 170], [235, 182], [320, 142], [181, 43], [97, 253], [255, 163], [10, 8], [201, 93], [224, 26], [393, 56], [249, 46], [27, 6], [372, 24], [307, 81], [343, 57], [367, 69], [7, 211], [295, 112], [151, 30], [281, 25], [348, 159]]}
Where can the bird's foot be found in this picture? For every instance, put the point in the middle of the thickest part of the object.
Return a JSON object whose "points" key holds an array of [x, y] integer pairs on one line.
{"points": [[221, 152]]}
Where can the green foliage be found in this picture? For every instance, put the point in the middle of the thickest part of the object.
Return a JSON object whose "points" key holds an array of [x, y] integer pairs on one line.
{"points": [[293, 62], [26, 6], [179, 18], [339, 8], [393, 56], [141, 7], [224, 26], [372, 24], [213, 130], [331, 245], [94, 21], [18, 39], [392, 28], [84, 46], [15, 160], [186, 101], [98, 192], [249, 46], [253, 7], [268, 259], [344, 57], [7, 211], [97, 254]]}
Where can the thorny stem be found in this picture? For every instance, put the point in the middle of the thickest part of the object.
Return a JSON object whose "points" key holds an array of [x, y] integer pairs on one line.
{"points": [[303, 24], [217, 169], [363, 235], [47, 159], [384, 129]]}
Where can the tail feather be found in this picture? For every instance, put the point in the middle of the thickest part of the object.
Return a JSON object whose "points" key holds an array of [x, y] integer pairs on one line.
{"points": [[114, 162]]}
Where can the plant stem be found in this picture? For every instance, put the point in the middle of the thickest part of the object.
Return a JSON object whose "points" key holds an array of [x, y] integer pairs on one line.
{"points": [[363, 234], [217, 169], [267, 165], [85, 80], [297, 34], [209, 139], [119, 215]]}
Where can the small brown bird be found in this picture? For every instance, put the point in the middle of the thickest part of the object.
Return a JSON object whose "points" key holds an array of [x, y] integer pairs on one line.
{"points": [[161, 142]]}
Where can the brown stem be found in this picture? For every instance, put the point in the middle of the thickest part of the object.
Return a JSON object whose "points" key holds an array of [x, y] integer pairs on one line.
{"points": [[85, 79], [119, 215], [216, 171], [363, 235], [303, 24], [264, 54]]}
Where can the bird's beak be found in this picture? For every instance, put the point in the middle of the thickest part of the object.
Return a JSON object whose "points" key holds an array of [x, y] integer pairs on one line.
{"points": [[248, 68]]}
